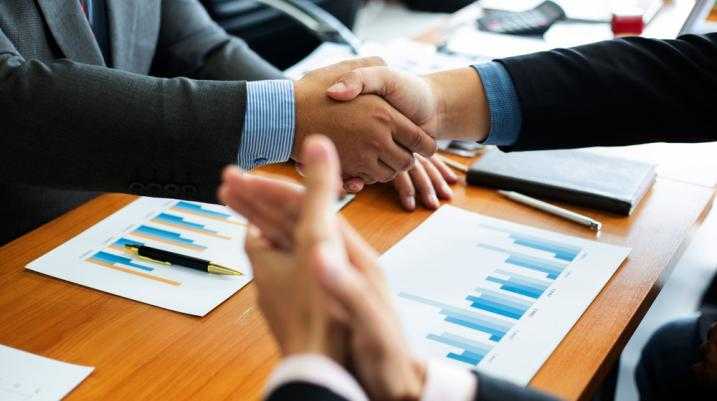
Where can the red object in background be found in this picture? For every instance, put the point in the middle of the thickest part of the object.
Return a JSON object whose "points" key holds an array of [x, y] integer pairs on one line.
{"points": [[627, 24]]}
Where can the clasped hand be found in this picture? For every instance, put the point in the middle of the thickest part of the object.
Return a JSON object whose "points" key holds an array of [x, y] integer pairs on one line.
{"points": [[384, 124]]}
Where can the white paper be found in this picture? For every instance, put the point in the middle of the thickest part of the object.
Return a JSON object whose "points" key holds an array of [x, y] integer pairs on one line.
{"points": [[486, 46], [209, 232], [221, 239], [456, 254], [28, 377], [407, 55]]}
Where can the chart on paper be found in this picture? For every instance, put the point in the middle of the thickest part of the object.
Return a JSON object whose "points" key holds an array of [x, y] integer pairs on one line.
{"points": [[98, 257], [493, 295]]}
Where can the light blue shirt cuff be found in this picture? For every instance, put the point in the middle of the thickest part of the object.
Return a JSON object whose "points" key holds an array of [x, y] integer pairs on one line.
{"points": [[269, 124], [506, 118]]}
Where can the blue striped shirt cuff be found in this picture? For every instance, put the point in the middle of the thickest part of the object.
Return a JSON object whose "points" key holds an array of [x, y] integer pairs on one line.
{"points": [[506, 118], [268, 135]]}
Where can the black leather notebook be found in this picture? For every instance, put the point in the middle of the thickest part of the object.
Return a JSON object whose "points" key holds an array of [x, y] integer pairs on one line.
{"points": [[575, 176]]}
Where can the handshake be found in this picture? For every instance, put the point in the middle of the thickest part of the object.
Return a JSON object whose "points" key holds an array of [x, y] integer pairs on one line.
{"points": [[385, 123]]}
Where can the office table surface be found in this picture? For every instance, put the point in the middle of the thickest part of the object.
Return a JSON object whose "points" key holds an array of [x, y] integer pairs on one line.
{"points": [[143, 352]]}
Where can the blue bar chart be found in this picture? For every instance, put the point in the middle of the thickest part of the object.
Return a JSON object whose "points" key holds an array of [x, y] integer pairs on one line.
{"points": [[493, 295], [103, 261], [204, 211], [182, 223], [128, 265], [518, 283], [499, 303], [561, 251], [552, 268], [167, 237]]}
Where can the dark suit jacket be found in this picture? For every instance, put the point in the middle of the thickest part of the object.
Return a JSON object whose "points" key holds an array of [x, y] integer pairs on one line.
{"points": [[618, 92], [71, 127], [489, 389]]}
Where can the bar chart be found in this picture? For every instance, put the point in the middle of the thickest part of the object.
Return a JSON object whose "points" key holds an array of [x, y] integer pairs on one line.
{"points": [[209, 232], [493, 295]]}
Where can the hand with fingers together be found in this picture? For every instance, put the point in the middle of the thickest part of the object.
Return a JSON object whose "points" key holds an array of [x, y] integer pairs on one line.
{"points": [[323, 293]]}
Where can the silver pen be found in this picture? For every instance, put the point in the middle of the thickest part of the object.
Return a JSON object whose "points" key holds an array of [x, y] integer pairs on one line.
{"points": [[552, 209]]}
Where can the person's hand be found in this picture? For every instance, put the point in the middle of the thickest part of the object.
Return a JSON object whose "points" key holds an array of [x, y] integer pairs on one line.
{"points": [[375, 142], [428, 180], [379, 351], [447, 105], [289, 297], [328, 251]]}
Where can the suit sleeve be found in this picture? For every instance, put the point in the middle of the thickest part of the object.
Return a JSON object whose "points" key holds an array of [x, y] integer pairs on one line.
{"points": [[303, 391], [192, 45], [67, 125], [492, 389], [617, 92]]}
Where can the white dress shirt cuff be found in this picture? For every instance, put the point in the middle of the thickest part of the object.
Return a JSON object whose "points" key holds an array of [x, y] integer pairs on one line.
{"points": [[445, 382], [317, 370]]}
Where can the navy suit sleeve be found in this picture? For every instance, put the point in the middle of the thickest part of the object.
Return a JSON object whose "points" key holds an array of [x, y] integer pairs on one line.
{"points": [[491, 389], [617, 92], [303, 391]]}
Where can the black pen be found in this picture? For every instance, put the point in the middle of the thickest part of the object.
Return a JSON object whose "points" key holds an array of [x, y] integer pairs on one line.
{"points": [[171, 258]]}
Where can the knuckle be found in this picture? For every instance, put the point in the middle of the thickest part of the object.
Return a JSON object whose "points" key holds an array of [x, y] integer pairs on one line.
{"points": [[375, 60]]}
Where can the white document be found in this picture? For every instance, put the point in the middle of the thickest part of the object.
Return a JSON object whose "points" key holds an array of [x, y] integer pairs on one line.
{"points": [[484, 46], [28, 377], [407, 55], [492, 295], [96, 258]]}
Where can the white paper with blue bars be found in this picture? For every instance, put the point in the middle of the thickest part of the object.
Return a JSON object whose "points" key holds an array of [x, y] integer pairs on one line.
{"points": [[493, 295]]}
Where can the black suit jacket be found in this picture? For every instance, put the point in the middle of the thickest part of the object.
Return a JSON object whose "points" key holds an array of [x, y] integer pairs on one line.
{"points": [[618, 92], [489, 389]]}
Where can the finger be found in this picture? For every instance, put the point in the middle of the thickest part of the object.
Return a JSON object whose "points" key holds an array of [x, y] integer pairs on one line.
{"points": [[424, 186], [396, 156], [353, 185], [381, 172], [406, 191], [364, 259], [276, 216], [322, 170], [411, 136], [381, 81], [445, 171], [256, 246], [439, 183], [343, 284]]}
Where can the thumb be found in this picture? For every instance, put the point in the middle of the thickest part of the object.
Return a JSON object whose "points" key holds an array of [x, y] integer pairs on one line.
{"points": [[361, 81]]}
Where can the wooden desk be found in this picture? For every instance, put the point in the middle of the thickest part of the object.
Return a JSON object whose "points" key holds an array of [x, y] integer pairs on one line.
{"points": [[147, 353]]}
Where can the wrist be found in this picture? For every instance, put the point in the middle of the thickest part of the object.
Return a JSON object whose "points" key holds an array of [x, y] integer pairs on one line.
{"points": [[301, 121], [463, 111]]}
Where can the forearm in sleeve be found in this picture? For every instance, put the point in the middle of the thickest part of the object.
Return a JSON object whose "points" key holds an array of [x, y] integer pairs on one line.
{"points": [[74, 126], [617, 92]]}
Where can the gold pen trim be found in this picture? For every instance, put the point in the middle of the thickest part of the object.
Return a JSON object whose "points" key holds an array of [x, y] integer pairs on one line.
{"points": [[135, 251]]}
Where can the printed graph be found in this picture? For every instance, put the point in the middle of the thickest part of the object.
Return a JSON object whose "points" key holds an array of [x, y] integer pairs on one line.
{"points": [[521, 269]]}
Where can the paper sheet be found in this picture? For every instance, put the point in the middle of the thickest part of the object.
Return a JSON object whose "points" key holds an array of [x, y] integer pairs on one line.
{"points": [[96, 258], [28, 377], [493, 295], [407, 55]]}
